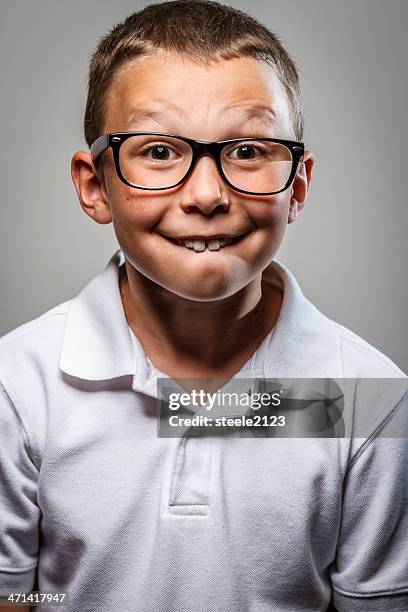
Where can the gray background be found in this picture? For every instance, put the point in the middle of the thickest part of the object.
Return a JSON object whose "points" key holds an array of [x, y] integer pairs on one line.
{"points": [[348, 250]]}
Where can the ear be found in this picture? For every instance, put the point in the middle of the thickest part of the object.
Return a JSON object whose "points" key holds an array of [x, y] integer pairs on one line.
{"points": [[91, 191], [301, 185]]}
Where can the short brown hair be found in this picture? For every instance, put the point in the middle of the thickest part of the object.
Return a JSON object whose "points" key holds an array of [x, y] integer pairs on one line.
{"points": [[202, 29]]}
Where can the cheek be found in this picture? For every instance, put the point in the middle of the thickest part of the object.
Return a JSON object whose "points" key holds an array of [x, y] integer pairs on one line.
{"points": [[133, 211], [270, 218], [271, 215]]}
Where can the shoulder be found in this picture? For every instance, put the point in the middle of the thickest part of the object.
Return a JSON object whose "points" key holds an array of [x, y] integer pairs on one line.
{"points": [[32, 348], [362, 360], [306, 343], [29, 374], [36, 333]]}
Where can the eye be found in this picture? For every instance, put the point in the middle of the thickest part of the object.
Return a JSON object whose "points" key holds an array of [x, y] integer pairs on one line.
{"points": [[158, 152], [245, 151]]}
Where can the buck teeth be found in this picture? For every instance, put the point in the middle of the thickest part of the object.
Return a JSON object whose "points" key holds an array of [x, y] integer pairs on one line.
{"points": [[200, 245]]}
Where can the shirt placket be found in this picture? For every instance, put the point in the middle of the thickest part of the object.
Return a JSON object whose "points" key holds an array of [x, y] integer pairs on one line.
{"points": [[190, 482], [189, 490]]}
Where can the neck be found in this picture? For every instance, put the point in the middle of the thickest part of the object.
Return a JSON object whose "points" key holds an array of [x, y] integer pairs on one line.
{"points": [[173, 329]]}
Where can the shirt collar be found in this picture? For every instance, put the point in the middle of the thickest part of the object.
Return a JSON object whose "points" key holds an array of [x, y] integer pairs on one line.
{"points": [[304, 343], [98, 344]]}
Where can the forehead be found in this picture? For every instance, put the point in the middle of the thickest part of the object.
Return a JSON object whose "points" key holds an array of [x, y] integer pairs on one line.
{"points": [[168, 92]]}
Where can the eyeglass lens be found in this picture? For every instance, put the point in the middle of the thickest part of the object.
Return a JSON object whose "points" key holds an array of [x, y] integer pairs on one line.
{"points": [[159, 162]]}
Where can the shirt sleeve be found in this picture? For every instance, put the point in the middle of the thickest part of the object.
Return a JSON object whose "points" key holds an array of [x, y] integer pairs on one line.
{"points": [[19, 512], [371, 569]]}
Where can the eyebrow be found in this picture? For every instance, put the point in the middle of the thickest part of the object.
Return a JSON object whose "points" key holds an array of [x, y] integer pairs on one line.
{"points": [[140, 115], [261, 113]]}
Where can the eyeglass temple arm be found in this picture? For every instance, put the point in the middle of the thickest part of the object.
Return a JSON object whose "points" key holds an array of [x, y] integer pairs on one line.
{"points": [[99, 145]]}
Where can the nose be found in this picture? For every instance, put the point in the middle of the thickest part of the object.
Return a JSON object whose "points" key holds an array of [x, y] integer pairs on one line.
{"points": [[204, 191]]}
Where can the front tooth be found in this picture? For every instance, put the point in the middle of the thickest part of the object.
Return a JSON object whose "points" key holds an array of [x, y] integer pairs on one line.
{"points": [[199, 245], [223, 241], [214, 245], [189, 244]]}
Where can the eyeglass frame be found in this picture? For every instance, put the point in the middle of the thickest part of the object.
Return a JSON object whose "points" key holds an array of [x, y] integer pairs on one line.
{"points": [[114, 140]]}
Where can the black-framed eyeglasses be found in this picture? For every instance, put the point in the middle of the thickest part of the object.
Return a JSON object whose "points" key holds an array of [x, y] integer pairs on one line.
{"points": [[156, 161]]}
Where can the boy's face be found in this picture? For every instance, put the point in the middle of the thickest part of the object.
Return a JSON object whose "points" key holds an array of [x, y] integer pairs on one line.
{"points": [[207, 103]]}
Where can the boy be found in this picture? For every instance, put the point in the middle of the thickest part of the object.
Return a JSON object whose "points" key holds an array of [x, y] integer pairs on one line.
{"points": [[94, 504]]}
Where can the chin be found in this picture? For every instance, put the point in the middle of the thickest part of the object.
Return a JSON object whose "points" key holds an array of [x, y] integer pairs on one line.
{"points": [[205, 289]]}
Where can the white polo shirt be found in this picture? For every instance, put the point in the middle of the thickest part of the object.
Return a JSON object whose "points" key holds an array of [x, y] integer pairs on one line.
{"points": [[94, 504]]}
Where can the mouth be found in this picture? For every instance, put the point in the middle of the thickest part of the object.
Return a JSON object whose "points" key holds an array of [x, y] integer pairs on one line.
{"points": [[210, 243]]}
